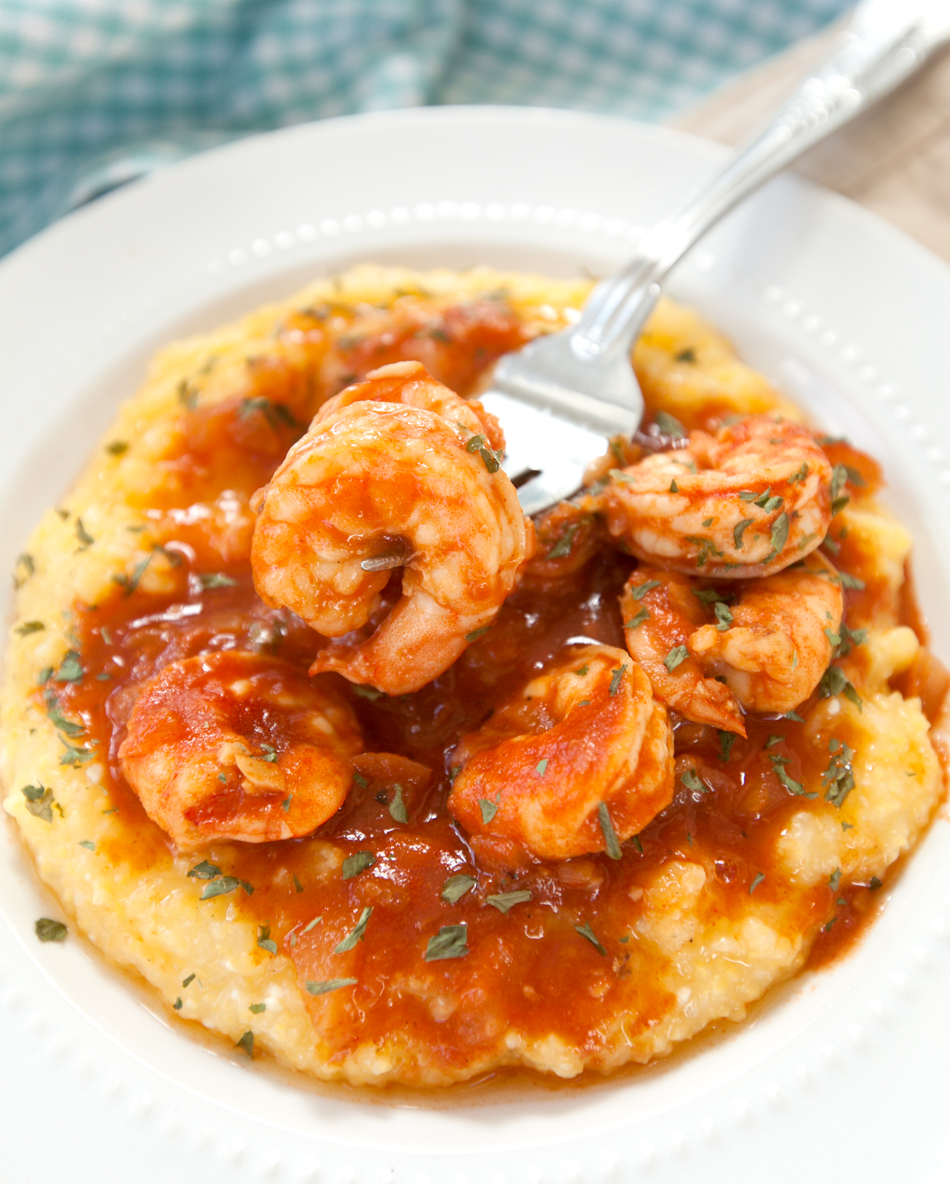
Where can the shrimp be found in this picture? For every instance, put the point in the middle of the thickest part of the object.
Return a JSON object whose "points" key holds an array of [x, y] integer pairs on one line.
{"points": [[233, 745], [578, 761], [394, 472], [759, 646], [746, 501]]}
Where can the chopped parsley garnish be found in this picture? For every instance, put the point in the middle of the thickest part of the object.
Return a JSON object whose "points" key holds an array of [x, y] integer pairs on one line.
{"points": [[800, 475], [723, 616], [839, 477], [178, 1004], [726, 741], [642, 589], [205, 871], [246, 1043], [541, 767], [674, 488], [582, 670], [215, 579], [795, 717], [450, 942], [74, 757], [616, 677], [875, 883], [707, 522], [298, 887], [477, 633], [188, 981], [276, 414], [58, 720], [636, 842], [839, 776], [70, 669], [834, 879], [635, 622], [588, 934], [740, 530], [311, 924], [354, 864], [360, 779], [367, 693], [848, 581], [691, 780], [505, 901], [793, 786], [669, 425], [129, 583], [39, 801], [456, 886], [26, 562], [117, 447], [488, 809], [676, 655], [223, 886], [685, 355], [397, 807], [254, 1008], [835, 682], [706, 546], [29, 627], [564, 544], [610, 835], [46, 929], [264, 939], [779, 534], [759, 877], [270, 753], [356, 934], [88, 844], [773, 740], [85, 538], [329, 984]]}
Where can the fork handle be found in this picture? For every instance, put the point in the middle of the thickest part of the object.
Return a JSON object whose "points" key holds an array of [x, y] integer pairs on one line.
{"points": [[885, 42]]}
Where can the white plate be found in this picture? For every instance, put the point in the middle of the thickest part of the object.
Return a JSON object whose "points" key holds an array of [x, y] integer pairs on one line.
{"points": [[845, 1073]]}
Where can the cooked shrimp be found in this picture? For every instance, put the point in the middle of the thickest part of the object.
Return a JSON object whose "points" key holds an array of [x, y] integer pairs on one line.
{"points": [[746, 501], [395, 472], [758, 646], [581, 754], [232, 745]]}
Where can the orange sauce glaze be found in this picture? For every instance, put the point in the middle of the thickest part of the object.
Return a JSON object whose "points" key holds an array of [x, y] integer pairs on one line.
{"points": [[530, 967]]}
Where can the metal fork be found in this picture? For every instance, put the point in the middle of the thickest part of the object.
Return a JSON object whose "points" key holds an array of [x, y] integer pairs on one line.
{"points": [[563, 396]]}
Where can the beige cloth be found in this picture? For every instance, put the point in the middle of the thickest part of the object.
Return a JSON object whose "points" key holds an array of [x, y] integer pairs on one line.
{"points": [[894, 159]]}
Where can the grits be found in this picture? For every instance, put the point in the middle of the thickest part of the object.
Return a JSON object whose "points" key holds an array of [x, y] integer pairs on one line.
{"points": [[615, 961]]}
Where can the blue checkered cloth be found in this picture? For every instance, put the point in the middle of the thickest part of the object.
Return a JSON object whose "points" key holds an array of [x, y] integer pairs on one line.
{"points": [[94, 92]]}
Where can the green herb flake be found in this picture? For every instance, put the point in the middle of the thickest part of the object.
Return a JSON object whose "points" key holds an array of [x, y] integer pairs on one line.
{"points": [[39, 801], [635, 622], [329, 984], [616, 677], [669, 425], [834, 879], [477, 633], [795, 717], [276, 414], [800, 475], [610, 835], [793, 786], [726, 741], [583, 670], [397, 807], [58, 720], [246, 1044], [541, 767], [875, 883], [740, 530], [356, 934], [264, 939], [685, 355], [723, 616], [130, 583], [117, 447], [674, 488], [773, 740], [360, 862], [488, 809], [642, 589], [311, 924], [29, 627], [75, 757], [707, 522], [257, 1008], [636, 842], [185, 982], [177, 1004], [835, 682], [215, 579], [46, 929], [70, 669], [564, 544], [759, 877], [779, 534], [455, 887], [26, 562], [220, 887], [848, 581], [588, 934], [450, 942], [204, 871], [367, 693], [85, 538], [676, 655], [505, 901], [839, 776], [692, 782], [474, 443], [88, 844]]}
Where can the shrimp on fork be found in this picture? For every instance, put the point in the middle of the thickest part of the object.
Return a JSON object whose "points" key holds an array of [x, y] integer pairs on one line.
{"points": [[746, 501], [394, 472], [713, 654]]}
